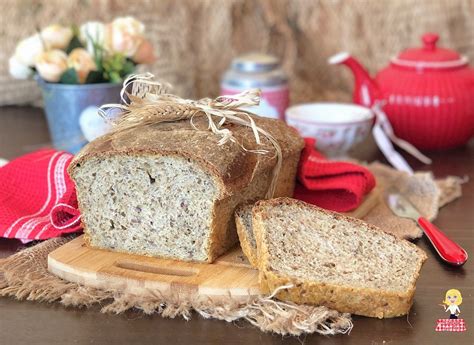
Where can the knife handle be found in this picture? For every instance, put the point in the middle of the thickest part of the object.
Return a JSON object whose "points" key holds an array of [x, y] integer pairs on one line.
{"points": [[449, 250]]}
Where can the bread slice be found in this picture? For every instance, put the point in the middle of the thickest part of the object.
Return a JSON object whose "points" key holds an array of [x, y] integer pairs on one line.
{"points": [[333, 260], [243, 222]]}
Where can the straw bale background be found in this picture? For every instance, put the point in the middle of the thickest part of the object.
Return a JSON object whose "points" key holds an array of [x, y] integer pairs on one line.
{"points": [[196, 39]]}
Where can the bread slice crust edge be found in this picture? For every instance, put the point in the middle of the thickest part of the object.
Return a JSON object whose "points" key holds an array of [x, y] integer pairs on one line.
{"points": [[249, 252], [360, 301]]}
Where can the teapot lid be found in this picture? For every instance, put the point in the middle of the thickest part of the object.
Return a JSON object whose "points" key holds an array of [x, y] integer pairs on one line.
{"points": [[430, 56]]}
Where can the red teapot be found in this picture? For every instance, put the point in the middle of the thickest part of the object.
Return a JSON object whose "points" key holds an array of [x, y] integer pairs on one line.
{"points": [[428, 94]]}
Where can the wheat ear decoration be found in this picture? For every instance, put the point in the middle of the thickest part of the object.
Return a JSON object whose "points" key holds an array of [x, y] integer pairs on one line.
{"points": [[150, 102]]}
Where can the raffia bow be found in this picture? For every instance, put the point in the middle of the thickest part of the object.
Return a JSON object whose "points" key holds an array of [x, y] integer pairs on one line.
{"points": [[150, 103]]}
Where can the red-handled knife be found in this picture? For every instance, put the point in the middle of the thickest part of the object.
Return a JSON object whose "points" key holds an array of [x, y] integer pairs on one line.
{"points": [[448, 250]]}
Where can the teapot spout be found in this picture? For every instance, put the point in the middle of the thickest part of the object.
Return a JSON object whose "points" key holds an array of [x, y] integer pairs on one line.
{"points": [[366, 90]]}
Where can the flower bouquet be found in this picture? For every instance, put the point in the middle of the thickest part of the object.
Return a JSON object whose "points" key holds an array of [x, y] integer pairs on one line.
{"points": [[79, 68]]}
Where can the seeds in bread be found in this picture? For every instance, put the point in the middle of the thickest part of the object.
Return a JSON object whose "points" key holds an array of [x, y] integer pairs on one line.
{"points": [[139, 198], [169, 190], [334, 260], [243, 222]]}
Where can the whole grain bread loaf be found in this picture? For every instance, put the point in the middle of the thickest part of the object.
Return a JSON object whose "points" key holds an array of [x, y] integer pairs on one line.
{"points": [[170, 190], [325, 258]]}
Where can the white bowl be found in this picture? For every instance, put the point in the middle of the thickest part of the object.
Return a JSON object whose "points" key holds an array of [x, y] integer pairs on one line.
{"points": [[337, 127]]}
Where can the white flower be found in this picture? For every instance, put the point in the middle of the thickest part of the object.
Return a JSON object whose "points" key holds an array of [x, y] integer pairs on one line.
{"points": [[51, 65], [91, 33], [28, 49], [82, 62], [19, 70], [57, 36], [124, 35]]}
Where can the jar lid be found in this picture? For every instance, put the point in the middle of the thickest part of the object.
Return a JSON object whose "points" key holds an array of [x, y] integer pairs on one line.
{"points": [[430, 56], [255, 62], [233, 78]]}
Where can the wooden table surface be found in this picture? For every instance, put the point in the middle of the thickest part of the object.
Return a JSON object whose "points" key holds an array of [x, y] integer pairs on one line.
{"points": [[23, 129]]}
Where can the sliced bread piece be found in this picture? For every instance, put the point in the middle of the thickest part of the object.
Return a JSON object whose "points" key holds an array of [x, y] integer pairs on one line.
{"points": [[243, 222], [333, 260]]}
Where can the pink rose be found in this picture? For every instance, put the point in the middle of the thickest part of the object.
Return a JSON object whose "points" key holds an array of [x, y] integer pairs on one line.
{"points": [[124, 35], [144, 53], [82, 62], [51, 65], [57, 36]]}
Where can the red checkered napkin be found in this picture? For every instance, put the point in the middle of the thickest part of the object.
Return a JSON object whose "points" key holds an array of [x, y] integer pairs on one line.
{"points": [[450, 325]]}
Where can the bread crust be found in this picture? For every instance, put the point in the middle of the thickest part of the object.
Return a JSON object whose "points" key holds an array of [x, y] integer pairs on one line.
{"points": [[355, 300], [239, 175], [229, 163], [249, 252]]}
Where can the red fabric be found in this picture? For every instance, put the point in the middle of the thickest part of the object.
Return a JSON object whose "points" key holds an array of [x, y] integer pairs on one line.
{"points": [[450, 325], [336, 186], [35, 193]]}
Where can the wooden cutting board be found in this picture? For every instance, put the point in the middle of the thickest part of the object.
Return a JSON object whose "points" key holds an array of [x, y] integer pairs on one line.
{"points": [[229, 276]]}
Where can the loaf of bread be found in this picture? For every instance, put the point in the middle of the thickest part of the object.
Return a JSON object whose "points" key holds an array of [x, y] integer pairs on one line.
{"points": [[170, 190], [329, 259]]}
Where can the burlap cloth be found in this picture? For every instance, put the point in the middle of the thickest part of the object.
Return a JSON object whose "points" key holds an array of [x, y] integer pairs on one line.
{"points": [[422, 189], [24, 275], [195, 40]]}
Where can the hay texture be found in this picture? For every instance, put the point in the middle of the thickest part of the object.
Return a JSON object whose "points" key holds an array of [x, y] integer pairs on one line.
{"points": [[195, 40]]}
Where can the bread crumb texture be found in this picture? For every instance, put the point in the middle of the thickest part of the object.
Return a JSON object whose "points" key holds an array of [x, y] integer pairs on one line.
{"points": [[158, 206], [335, 260]]}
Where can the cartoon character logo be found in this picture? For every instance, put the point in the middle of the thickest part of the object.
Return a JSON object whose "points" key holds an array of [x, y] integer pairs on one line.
{"points": [[451, 303]]}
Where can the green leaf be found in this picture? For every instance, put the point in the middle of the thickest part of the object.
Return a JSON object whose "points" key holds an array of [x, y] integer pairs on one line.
{"points": [[116, 67], [95, 77], [69, 77], [115, 77], [128, 68], [75, 43], [75, 29], [99, 53]]}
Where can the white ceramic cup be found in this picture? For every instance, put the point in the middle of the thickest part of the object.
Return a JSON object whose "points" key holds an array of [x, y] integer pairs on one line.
{"points": [[337, 127]]}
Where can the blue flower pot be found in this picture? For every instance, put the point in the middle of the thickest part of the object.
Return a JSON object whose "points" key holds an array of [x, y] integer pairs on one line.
{"points": [[64, 104]]}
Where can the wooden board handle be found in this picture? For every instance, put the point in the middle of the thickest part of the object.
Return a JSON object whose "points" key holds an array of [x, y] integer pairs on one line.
{"points": [[148, 268]]}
